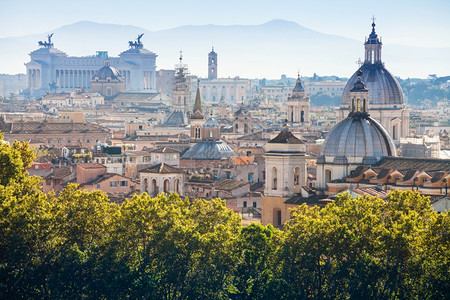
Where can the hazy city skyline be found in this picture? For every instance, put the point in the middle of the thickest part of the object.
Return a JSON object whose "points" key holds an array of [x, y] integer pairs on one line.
{"points": [[405, 23]]}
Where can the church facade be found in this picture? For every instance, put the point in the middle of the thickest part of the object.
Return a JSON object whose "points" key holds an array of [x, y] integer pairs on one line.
{"points": [[50, 68]]}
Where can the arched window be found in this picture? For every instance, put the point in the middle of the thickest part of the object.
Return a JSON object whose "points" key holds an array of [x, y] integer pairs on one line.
{"points": [[296, 176], [277, 217], [166, 185], [358, 105], [245, 128], [197, 132], [274, 178], [302, 116], [154, 188], [146, 185], [327, 176], [177, 185]]}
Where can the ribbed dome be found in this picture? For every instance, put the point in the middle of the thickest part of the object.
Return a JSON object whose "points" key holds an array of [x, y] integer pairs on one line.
{"points": [[383, 87], [358, 136], [108, 72], [209, 150], [211, 122]]}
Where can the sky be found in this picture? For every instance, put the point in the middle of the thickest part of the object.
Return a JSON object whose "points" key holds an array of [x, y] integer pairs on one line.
{"points": [[394, 18]]}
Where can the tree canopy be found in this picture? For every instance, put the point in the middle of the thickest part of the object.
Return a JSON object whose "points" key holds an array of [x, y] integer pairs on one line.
{"points": [[80, 245]]}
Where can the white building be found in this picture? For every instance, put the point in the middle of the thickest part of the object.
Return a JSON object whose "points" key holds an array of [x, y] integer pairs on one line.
{"points": [[230, 90], [49, 65], [78, 98]]}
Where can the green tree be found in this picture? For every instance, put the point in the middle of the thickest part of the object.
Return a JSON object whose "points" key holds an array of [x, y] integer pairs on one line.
{"points": [[255, 275], [174, 248], [14, 159], [363, 248], [81, 221]]}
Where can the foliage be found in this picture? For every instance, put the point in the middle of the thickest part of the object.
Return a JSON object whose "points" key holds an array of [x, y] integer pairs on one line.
{"points": [[14, 160], [323, 99], [366, 248], [80, 245], [423, 92]]}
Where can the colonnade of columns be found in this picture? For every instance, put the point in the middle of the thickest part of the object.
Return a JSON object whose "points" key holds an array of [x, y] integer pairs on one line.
{"points": [[34, 78], [67, 79]]}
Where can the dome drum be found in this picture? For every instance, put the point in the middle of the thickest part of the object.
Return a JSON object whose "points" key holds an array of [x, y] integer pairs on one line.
{"points": [[340, 160]]}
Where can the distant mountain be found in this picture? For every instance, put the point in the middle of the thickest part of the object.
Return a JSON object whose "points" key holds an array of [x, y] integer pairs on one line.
{"points": [[255, 51]]}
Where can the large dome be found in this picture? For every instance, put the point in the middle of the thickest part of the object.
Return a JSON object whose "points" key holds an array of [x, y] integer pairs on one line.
{"points": [[384, 88], [357, 137]]}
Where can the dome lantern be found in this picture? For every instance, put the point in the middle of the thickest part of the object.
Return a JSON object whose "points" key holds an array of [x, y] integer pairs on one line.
{"points": [[359, 97]]}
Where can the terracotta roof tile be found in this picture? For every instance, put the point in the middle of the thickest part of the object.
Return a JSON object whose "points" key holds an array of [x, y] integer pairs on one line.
{"points": [[162, 168], [286, 137], [91, 166]]}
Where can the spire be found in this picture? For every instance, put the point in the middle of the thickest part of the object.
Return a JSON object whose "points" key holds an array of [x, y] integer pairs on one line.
{"points": [[198, 100], [373, 47], [298, 85], [373, 37]]}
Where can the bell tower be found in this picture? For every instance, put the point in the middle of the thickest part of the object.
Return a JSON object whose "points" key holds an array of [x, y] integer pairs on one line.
{"points": [[298, 105], [181, 90], [212, 65], [197, 118]]}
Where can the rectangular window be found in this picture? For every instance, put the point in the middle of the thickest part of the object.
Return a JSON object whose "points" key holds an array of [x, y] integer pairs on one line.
{"points": [[113, 183], [123, 183], [250, 177]]}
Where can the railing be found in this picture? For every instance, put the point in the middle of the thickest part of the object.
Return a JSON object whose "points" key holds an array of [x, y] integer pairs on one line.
{"points": [[255, 211]]}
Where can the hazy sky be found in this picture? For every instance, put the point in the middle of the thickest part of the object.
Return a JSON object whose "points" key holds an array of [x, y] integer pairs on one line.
{"points": [[395, 18]]}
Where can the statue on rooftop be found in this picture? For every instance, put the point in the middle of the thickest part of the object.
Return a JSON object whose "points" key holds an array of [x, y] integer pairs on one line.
{"points": [[48, 43], [138, 44]]}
